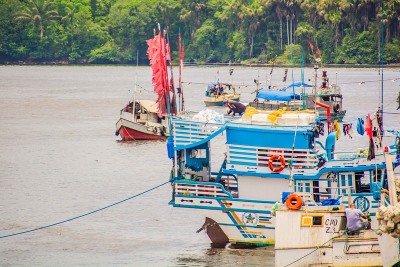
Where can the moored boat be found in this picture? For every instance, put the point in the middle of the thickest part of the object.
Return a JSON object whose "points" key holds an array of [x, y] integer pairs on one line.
{"points": [[217, 92], [267, 153], [297, 96], [148, 119], [313, 235], [140, 121]]}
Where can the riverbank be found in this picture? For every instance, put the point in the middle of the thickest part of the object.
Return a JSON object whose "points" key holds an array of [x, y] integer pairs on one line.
{"points": [[258, 65]]}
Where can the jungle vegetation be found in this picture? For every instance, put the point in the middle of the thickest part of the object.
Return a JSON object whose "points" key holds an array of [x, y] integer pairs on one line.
{"points": [[237, 31]]}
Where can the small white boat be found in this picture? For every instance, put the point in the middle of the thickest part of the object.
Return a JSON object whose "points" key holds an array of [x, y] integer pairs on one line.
{"points": [[316, 236]]}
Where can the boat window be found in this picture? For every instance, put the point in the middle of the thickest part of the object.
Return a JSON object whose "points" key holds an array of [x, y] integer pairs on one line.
{"points": [[198, 153], [311, 220], [376, 175], [362, 180]]}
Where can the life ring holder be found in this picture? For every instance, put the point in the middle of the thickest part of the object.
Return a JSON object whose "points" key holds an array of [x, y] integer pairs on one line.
{"points": [[294, 202], [271, 161]]}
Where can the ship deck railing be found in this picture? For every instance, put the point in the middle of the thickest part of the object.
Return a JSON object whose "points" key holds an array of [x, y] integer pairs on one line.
{"points": [[259, 156], [203, 189], [325, 193], [187, 132]]}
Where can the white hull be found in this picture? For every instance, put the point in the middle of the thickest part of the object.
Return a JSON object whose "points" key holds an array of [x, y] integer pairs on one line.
{"points": [[315, 236]]}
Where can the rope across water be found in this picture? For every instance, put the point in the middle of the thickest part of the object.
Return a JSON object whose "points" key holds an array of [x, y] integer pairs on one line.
{"points": [[83, 215]]}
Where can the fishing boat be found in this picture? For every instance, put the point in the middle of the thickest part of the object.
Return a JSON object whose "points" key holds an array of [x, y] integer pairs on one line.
{"points": [[269, 152], [217, 92], [297, 96], [313, 235], [139, 120], [148, 119]]}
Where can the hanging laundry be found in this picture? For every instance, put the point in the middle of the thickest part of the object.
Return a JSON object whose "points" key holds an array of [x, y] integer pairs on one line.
{"points": [[337, 129], [347, 129], [368, 126], [379, 120], [371, 150], [368, 131], [360, 126], [398, 101]]}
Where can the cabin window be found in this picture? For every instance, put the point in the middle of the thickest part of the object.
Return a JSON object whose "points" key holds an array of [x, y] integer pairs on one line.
{"points": [[376, 175], [323, 190], [303, 187], [346, 181], [363, 181], [198, 153], [312, 220]]}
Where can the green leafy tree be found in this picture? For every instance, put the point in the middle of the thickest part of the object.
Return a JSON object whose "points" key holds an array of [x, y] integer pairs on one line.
{"points": [[38, 12], [108, 53], [291, 55], [13, 34], [358, 48], [131, 23], [392, 51]]}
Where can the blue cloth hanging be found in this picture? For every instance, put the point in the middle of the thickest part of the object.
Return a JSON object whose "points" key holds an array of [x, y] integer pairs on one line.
{"points": [[360, 126]]}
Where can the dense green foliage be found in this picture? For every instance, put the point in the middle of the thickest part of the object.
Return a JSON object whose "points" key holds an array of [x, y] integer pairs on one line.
{"points": [[112, 31]]}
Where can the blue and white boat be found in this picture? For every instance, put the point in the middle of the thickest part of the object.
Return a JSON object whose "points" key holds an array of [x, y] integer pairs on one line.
{"points": [[268, 153], [300, 96]]}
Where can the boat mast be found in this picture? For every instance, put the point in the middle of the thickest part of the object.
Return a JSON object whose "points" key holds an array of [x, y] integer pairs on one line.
{"points": [[134, 90], [382, 59]]}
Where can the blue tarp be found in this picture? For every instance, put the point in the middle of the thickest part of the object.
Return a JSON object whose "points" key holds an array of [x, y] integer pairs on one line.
{"points": [[330, 202], [277, 95], [298, 84]]}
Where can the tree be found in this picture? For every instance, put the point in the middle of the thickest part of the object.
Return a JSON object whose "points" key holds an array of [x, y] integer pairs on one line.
{"points": [[38, 12]]}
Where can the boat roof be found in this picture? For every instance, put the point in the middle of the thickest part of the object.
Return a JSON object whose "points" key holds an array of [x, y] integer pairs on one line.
{"points": [[277, 95], [296, 84], [150, 105]]}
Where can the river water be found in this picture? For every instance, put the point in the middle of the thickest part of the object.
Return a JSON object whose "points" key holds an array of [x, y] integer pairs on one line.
{"points": [[61, 159]]}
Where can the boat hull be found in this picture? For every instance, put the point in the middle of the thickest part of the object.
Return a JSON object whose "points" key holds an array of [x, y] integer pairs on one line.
{"points": [[319, 233], [131, 131], [218, 100], [240, 222]]}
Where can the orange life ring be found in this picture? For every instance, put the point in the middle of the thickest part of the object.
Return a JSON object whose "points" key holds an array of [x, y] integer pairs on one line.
{"points": [[271, 161], [294, 202]]}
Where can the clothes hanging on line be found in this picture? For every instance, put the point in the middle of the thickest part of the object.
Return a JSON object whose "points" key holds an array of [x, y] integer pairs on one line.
{"points": [[347, 129]]}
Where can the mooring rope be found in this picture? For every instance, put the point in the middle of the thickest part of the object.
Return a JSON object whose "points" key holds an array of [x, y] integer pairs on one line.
{"points": [[318, 247], [83, 215]]}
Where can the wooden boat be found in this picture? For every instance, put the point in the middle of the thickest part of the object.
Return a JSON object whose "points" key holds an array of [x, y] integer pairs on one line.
{"points": [[267, 153], [140, 121], [287, 97], [148, 119], [313, 235], [217, 92]]}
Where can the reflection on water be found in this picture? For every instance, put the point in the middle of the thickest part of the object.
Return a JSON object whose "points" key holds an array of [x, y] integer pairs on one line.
{"points": [[230, 257], [60, 158]]}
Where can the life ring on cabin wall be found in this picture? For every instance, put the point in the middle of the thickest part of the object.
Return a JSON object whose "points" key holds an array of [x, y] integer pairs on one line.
{"points": [[271, 162], [294, 202], [336, 107]]}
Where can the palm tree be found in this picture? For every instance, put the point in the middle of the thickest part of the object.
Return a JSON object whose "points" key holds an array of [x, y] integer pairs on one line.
{"points": [[38, 11]]}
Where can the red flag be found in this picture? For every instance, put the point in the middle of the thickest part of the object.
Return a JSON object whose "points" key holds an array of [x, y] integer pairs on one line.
{"points": [[157, 53]]}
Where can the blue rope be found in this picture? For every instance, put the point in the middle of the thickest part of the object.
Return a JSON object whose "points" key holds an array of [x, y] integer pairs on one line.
{"points": [[83, 215]]}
